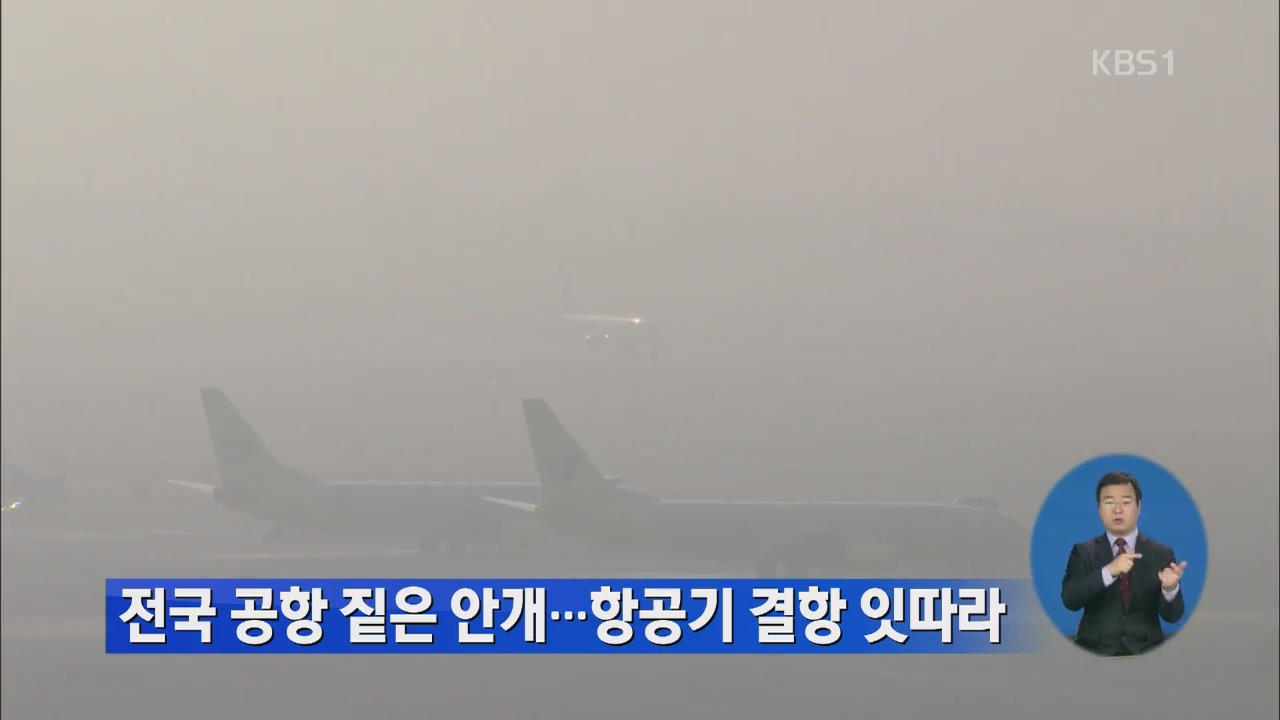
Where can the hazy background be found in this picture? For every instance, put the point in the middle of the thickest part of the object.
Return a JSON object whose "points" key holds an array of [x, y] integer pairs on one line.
{"points": [[852, 222], [892, 250]]}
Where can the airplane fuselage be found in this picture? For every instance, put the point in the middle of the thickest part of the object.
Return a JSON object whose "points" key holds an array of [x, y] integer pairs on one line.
{"points": [[440, 511]]}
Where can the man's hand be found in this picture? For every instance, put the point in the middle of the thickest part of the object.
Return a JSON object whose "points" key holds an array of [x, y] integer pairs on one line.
{"points": [[1124, 563], [1171, 576]]}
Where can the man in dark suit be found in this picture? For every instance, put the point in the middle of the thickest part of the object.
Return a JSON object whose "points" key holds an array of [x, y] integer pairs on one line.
{"points": [[1124, 580]]}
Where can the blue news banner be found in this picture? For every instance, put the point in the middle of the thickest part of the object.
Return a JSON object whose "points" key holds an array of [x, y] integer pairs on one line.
{"points": [[567, 616]]}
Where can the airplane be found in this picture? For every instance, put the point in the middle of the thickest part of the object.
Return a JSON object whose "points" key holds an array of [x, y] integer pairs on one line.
{"points": [[20, 492], [917, 539], [441, 516], [605, 327], [15, 484], [633, 330]]}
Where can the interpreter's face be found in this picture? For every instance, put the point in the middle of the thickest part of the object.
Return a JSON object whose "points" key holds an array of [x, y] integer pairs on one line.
{"points": [[1119, 508]]}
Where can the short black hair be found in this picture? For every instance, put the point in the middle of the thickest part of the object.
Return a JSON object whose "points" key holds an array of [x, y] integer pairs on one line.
{"points": [[1118, 478]]}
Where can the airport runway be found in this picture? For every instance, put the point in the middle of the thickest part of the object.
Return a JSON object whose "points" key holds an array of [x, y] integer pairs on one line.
{"points": [[54, 665]]}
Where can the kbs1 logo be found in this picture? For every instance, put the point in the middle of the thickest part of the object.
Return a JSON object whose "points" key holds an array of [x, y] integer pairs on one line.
{"points": [[1128, 63]]}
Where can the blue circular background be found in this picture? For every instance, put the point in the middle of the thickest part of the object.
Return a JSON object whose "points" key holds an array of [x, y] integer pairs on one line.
{"points": [[1070, 515]]}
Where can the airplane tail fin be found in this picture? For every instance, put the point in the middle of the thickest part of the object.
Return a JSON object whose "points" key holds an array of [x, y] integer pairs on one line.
{"points": [[244, 463], [571, 483]]}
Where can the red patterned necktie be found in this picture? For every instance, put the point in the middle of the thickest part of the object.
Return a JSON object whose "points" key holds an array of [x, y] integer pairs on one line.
{"points": [[1124, 579]]}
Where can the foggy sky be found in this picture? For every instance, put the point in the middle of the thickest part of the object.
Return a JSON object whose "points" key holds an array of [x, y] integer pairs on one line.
{"points": [[852, 222]]}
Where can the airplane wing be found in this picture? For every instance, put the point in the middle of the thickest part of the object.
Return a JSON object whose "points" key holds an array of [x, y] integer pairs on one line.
{"points": [[514, 504], [202, 487]]}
